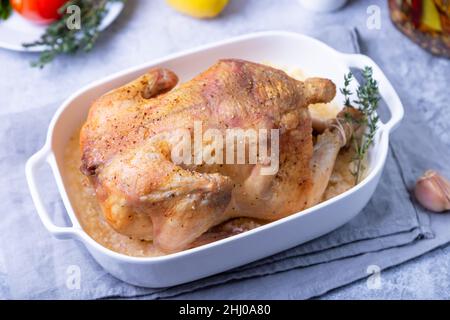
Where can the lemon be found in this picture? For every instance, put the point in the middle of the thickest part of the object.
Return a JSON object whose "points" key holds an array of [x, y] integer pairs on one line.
{"points": [[199, 8]]}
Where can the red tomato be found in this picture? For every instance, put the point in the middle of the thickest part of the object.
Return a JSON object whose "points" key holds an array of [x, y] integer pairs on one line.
{"points": [[39, 11]]}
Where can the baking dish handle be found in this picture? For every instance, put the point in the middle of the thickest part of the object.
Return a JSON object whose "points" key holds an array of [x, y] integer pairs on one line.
{"points": [[387, 92], [31, 167]]}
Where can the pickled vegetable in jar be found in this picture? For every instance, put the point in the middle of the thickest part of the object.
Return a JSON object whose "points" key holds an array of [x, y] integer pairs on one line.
{"points": [[426, 22]]}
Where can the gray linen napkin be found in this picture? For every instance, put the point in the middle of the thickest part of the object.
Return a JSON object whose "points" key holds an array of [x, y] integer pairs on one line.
{"points": [[34, 265]]}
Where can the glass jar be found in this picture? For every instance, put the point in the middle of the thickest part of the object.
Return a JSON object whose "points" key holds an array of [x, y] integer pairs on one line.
{"points": [[426, 22]]}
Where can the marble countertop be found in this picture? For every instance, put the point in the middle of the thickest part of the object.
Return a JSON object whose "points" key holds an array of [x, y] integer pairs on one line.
{"points": [[150, 29]]}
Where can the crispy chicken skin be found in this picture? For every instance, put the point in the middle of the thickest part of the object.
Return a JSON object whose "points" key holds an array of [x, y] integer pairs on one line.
{"points": [[127, 140]]}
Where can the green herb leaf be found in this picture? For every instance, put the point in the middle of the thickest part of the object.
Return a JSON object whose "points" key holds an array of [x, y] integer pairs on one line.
{"points": [[367, 101], [5, 9], [346, 90], [60, 39]]}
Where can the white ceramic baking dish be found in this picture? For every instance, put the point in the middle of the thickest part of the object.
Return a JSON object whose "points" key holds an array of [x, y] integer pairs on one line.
{"points": [[282, 48]]}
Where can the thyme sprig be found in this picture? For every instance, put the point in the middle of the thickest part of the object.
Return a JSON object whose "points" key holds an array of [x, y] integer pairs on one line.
{"points": [[367, 102], [5, 9], [346, 91], [60, 39]]}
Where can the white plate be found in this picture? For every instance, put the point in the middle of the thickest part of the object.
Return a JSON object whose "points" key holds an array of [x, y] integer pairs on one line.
{"points": [[16, 31], [280, 48]]}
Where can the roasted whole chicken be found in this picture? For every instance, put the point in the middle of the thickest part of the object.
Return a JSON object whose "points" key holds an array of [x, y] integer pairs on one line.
{"points": [[128, 139]]}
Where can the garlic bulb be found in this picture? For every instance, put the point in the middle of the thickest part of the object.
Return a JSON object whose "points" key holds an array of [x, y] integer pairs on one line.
{"points": [[433, 191]]}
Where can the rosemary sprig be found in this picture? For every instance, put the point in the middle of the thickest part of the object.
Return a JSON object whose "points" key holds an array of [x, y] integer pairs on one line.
{"points": [[59, 39], [5, 9], [367, 101]]}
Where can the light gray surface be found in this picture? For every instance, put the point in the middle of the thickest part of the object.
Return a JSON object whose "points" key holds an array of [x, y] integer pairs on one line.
{"points": [[149, 29], [422, 278]]}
